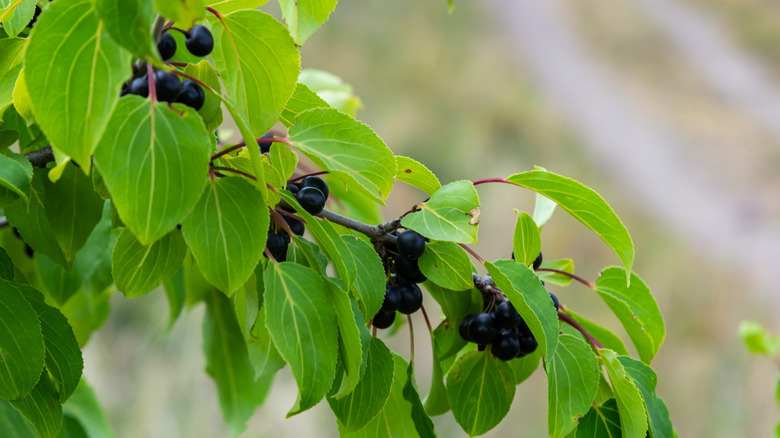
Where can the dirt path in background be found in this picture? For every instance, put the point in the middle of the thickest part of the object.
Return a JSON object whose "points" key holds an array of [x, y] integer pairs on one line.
{"points": [[642, 153]]}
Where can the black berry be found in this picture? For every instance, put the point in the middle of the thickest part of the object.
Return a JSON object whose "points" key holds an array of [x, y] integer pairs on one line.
{"points": [[293, 188], [315, 181], [411, 299], [538, 261], [311, 199], [191, 95], [199, 40], [277, 246], [139, 86], [483, 329], [392, 299], [463, 328], [166, 85], [410, 244], [265, 146], [166, 46], [296, 226], [554, 300], [506, 346], [406, 268], [528, 344], [507, 316], [383, 319]]}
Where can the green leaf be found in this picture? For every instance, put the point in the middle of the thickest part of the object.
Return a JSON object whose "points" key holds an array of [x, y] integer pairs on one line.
{"points": [[227, 362], [22, 15], [631, 406], [351, 341], [757, 339], [332, 89], [422, 423], [636, 309], [42, 408], [659, 422], [211, 112], [525, 366], [527, 243], [129, 23], [73, 209], [302, 323], [533, 303], [74, 109], [93, 262], [84, 406], [435, 402], [86, 313], [176, 294], [356, 204], [369, 275], [15, 179], [258, 63], [21, 344], [455, 304], [416, 174], [606, 337], [565, 265], [184, 12], [585, 205], [246, 304], [480, 389], [452, 214], [228, 6], [226, 232], [543, 210], [138, 269], [21, 96], [572, 379], [32, 223], [13, 423], [360, 406], [338, 143], [447, 264], [170, 155], [395, 418], [303, 99], [10, 65], [63, 356], [602, 421], [7, 268], [264, 356], [304, 17]]}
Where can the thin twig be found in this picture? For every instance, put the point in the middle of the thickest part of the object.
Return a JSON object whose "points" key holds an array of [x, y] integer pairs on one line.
{"points": [[411, 335], [568, 320], [473, 254], [590, 284], [240, 172], [427, 321]]}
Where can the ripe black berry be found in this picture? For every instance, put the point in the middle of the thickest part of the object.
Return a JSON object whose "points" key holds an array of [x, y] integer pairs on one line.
{"points": [[315, 181], [411, 299], [139, 86], [199, 40], [507, 316], [406, 268], [392, 298], [166, 85], [383, 319], [410, 244], [265, 146], [166, 46], [277, 246], [293, 188], [538, 261], [464, 326], [483, 329], [296, 226], [506, 346], [191, 95], [554, 300], [528, 344], [311, 199]]}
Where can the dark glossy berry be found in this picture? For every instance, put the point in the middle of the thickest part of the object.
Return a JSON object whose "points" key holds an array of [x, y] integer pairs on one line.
{"points": [[507, 316], [277, 246], [166, 46], [410, 244], [483, 329], [296, 226], [411, 299], [315, 181], [406, 268], [293, 188], [463, 328], [191, 95], [383, 319], [392, 299], [139, 86], [506, 346], [538, 261], [311, 199], [418, 278], [528, 344], [199, 40], [554, 300], [265, 146], [166, 85], [125, 89]]}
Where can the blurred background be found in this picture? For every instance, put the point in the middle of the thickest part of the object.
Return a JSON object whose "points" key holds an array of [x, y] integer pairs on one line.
{"points": [[670, 109]]}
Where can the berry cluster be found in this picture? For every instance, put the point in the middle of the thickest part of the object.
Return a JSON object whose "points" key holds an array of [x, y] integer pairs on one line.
{"points": [[402, 293], [502, 328], [198, 40], [311, 193]]}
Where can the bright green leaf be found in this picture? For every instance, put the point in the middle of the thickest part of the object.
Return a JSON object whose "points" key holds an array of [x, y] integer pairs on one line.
{"points": [[631, 406], [543, 210], [129, 23], [184, 12], [11, 52], [369, 274], [350, 341], [170, 156], [435, 402], [455, 304], [525, 366], [447, 264], [604, 336], [659, 422], [603, 421], [480, 389], [302, 323], [93, 262], [452, 214], [86, 313], [42, 408], [74, 109], [583, 204], [226, 232], [332, 89], [264, 356], [304, 17], [303, 99], [757, 339], [23, 13], [565, 265], [15, 179], [228, 6], [21, 344], [13, 423], [636, 309], [527, 243], [572, 379], [211, 112], [84, 406], [21, 96], [416, 174], [422, 422], [138, 269]]}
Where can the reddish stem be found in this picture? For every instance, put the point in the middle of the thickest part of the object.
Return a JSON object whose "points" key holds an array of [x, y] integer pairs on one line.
{"points": [[491, 180], [473, 254], [194, 79], [152, 89], [568, 320], [215, 12], [242, 144], [177, 64], [298, 178], [269, 255], [240, 172], [427, 321], [590, 284], [281, 221]]}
